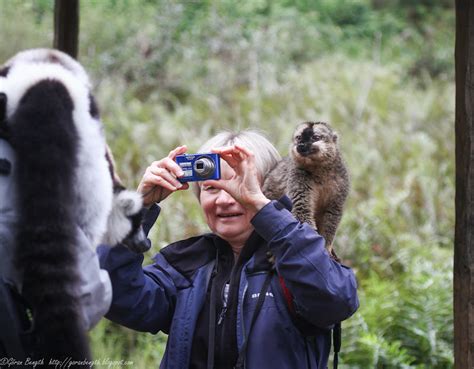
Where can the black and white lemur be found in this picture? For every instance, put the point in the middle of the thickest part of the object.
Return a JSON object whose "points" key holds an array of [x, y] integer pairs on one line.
{"points": [[64, 179]]}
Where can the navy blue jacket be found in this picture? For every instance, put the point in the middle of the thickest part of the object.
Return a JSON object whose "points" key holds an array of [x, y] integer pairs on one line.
{"points": [[169, 294]]}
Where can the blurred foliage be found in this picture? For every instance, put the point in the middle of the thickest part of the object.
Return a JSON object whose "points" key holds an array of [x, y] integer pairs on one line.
{"points": [[172, 72]]}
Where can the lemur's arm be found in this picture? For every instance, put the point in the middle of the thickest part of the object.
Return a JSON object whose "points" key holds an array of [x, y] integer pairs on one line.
{"points": [[124, 225]]}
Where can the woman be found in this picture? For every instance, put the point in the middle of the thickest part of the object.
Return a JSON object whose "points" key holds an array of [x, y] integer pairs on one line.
{"points": [[259, 291]]}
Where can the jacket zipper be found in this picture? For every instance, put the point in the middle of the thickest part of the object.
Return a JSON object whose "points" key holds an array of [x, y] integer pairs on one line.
{"points": [[224, 303], [222, 315], [242, 310]]}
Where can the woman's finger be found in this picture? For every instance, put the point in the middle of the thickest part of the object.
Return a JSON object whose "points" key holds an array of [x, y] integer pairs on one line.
{"points": [[184, 186], [223, 149], [231, 160], [222, 184], [160, 181], [167, 176], [246, 153], [177, 151], [230, 154], [169, 165]]}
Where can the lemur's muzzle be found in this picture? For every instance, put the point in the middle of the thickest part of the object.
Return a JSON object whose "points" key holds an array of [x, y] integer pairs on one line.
{"points": [[303, 149]]}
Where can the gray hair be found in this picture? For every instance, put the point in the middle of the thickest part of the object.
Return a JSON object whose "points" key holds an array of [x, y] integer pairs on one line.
{"points": [[266, 155]]}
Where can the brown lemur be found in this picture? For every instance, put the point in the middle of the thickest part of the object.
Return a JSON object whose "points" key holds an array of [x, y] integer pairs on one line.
{"points": [[315, 178]]}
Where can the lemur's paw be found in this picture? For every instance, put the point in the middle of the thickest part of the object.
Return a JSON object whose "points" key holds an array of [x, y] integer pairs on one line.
{"points": [[125, 222]]}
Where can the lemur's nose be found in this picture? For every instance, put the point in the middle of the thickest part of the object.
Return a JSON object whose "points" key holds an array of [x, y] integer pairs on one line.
{"points": [[303, 149]]}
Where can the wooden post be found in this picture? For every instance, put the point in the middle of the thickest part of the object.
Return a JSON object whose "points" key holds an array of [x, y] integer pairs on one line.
{"points": [[464, 230], [66, 26]]}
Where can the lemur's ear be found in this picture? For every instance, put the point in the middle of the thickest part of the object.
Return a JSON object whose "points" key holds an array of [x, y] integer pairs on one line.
{"points": [[334, 137], [117, 182]]}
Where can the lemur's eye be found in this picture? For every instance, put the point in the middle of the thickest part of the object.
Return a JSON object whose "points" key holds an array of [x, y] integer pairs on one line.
{"points": [[317, 137]]}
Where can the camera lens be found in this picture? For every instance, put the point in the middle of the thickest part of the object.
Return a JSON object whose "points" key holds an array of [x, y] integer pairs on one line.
{"points": [[204, 167]]}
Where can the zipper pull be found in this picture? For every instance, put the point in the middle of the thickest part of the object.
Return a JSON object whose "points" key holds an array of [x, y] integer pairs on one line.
{"points": [[222, 315]]}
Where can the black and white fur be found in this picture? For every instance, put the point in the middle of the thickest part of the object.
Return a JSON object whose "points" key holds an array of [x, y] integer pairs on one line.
{"points": [[124, 221], [64, 182]]}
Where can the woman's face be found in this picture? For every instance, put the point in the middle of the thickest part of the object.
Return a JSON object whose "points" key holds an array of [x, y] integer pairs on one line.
{"points": [[225, 216]]}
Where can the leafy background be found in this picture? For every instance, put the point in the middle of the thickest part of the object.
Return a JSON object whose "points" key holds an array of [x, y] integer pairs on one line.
{"points": [[380, 71]]}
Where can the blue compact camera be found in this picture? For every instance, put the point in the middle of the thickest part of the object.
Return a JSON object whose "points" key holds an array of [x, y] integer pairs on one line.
{"points": [[199, 167]]}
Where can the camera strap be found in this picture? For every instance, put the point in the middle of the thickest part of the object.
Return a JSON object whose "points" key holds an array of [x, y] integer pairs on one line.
{"points": [[261, 298], [212, 318], [336, 340]]}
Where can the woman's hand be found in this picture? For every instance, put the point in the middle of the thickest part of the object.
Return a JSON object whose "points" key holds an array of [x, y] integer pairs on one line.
{"points": [[244, 185], [160, 178]]}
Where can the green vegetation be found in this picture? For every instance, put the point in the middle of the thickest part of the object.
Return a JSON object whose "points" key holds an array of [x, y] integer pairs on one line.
{"points": [[169, 72]]}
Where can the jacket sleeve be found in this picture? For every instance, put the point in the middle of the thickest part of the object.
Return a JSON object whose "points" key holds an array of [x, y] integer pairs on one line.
{"points": [[324, 291], [143, 298]]}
